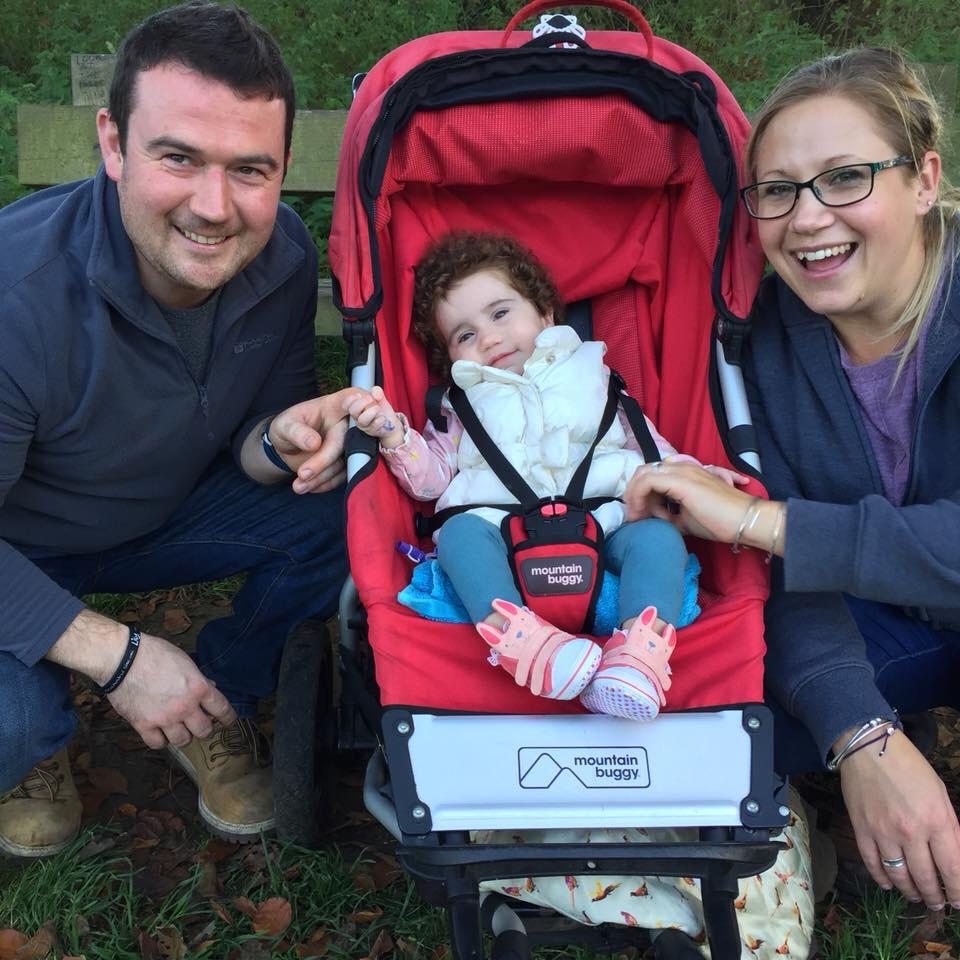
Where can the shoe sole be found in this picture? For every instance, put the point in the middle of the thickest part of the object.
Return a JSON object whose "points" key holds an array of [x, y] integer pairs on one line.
{"points": [[619, 697], [15, 851], [237, 832], [580, 674]]}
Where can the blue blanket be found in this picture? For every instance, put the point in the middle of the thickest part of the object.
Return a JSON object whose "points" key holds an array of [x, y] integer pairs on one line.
{"points": [[431, 594]]}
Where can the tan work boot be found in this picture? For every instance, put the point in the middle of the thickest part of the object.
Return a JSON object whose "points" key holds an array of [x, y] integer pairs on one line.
{"points": [[231, 769], [41, 814]]}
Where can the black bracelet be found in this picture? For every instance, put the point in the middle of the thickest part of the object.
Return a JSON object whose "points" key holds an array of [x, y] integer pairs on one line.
{"points": [[126, 662], [270, 451]]}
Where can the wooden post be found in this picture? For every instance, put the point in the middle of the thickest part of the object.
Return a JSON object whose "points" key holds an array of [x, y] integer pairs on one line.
{"points": [[90, 75]]}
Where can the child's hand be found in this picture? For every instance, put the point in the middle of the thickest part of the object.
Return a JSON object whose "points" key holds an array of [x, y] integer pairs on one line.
{"points": [[730, 477], [375, 417]]}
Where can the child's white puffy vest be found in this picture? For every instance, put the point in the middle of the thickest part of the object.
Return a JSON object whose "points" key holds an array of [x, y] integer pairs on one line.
{"points": [[543, 421]]}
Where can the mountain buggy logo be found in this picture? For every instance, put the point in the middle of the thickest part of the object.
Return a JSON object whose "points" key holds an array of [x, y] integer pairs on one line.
{"points": [[594, 767], [552, 575]]}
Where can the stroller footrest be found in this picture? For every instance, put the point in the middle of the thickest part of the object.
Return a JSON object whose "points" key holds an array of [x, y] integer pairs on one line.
{"points": [[485, 772]]}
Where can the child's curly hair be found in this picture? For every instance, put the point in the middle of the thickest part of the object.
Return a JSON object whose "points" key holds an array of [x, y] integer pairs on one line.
{"points": [[459, 255]]}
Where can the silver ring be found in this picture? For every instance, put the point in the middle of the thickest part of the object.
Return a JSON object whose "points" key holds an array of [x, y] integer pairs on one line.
{"points": [[893, 861], [657, 464]]}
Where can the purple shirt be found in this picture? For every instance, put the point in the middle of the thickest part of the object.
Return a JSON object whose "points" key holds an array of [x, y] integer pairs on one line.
{"points": [[887, 413]]}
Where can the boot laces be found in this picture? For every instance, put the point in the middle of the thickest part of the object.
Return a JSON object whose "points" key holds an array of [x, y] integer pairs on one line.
{"points": [[240, 739], [45, 779]]}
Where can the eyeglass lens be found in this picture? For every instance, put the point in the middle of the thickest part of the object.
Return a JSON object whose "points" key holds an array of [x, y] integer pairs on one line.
{"points": [[835, 188]]}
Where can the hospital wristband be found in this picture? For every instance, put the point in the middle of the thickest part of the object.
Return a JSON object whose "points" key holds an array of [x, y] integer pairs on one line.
{"points": [[126, 662], [270, 451]]}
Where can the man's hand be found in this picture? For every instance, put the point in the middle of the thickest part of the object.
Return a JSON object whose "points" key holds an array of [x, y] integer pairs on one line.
{"points": [[309, 437], [164, 696]]}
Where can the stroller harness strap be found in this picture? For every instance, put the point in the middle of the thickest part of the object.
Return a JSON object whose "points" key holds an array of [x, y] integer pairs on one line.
{"points": [[554, 544]]}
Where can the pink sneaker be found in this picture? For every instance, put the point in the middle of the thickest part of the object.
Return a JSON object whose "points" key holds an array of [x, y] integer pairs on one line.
{"points": [[537, 655], [634, 671]]}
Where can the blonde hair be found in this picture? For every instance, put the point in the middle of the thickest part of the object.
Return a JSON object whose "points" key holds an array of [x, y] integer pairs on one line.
{"points": [[891, 89]]}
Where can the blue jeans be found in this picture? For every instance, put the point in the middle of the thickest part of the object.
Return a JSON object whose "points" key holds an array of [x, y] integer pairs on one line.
{"points": [[291, 548], [916, 668], [649, 556]]}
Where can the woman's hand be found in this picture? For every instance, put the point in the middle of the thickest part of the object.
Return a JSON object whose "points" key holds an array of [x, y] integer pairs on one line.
{"points": [[899, 807], [375, 416], [706, 505]]}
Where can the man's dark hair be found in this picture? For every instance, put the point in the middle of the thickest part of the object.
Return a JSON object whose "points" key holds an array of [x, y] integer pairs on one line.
{"points": [[222, 42]]}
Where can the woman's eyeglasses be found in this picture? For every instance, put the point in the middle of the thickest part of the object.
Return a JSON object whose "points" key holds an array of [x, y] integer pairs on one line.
{"points": [[836, 187]]}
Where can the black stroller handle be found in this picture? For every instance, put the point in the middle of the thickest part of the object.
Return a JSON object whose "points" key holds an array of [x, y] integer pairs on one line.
{"points": [[621, 6]]}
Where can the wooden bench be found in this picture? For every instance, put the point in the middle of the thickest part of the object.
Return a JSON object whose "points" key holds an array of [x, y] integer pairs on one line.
{"points": [[56, 144]]}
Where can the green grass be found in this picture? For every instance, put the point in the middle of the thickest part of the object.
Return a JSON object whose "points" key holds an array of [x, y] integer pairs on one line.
{"points": [[96, 912]]}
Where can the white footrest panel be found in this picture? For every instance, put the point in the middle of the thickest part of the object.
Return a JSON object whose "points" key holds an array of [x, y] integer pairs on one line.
{"points": [[480, 772]]}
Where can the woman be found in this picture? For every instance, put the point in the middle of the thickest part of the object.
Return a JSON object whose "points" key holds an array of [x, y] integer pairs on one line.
{"points": [[854, 381]]}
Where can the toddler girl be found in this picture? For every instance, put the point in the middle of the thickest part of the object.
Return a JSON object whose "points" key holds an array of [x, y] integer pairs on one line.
{"points": [[485, 310]]}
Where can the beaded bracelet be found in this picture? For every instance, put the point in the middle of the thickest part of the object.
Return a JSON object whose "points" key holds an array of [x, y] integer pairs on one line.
{"points": [[126, 662], [856, 742], [270, 451]]}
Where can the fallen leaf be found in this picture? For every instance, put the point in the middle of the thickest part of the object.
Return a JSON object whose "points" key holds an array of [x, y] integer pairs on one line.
{"points": [[377, 876], [146, 607], [126, 809], [440, 952], [107, 780], [929, 927], [311, 949], [82, 761], [128, 615], [246, 906], [273, 916], [97, 845], [176, 621], [383, 944], [407, 948], [148, 947], [39, 945], [833, 920], [221, 911], [202, 939], [365, 916], [249, 950], [144, 843], [315, 946], [216, 850], [170, 944], [10, 942]]}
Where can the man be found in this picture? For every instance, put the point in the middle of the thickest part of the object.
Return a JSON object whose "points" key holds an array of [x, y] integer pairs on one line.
{"points": [[158, 424]]}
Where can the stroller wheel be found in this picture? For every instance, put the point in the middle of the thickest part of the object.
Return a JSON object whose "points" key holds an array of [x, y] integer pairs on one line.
{"points": [[305, 736]]}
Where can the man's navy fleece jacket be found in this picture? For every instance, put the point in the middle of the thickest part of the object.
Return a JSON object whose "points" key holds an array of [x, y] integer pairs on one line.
{"points": [[103, 430]]}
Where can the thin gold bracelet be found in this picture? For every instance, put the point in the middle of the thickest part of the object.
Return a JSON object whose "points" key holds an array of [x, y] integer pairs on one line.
{"points": [[777, 527], [749, 516]]}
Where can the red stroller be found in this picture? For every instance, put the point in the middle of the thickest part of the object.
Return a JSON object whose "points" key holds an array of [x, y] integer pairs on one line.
{"points": [[614, 158]]}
